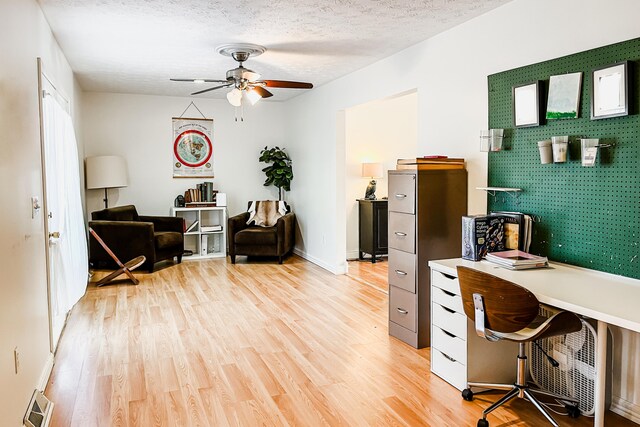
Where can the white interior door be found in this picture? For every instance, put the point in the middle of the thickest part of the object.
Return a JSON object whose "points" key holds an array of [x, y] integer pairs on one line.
{"points": [[67, 261]]}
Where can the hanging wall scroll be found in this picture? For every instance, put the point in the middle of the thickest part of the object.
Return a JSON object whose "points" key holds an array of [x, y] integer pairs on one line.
{"points": [[192, 147]]}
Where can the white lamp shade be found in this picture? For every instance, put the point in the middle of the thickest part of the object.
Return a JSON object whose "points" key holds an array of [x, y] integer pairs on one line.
{"points": [[252, 95], [106, 172], [235, 97], [372, 170]]}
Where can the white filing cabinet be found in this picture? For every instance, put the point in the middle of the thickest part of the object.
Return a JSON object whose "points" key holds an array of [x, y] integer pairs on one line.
{"points": [[458, 354]]}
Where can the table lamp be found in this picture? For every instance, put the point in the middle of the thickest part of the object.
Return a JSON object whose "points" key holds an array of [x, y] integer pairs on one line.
{"points": [[106, 172], [371, 170]]}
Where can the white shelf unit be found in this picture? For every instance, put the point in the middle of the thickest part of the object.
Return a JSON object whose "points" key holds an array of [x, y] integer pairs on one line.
{"points": [[204, 244]]}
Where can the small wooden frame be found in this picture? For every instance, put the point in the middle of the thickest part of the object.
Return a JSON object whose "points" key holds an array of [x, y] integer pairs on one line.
{"points": [[125, 268]]}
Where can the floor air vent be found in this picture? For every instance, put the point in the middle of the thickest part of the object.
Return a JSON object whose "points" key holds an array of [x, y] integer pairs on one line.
{"points": [[39, 411]]}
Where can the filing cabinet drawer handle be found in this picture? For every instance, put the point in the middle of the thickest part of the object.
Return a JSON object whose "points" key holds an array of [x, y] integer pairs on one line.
{"points": [[401, 273], [400, 233], [448, 276], [448, 333], [448, 357], [451, 294], [448, 309], [401, 196], [402, 311]]}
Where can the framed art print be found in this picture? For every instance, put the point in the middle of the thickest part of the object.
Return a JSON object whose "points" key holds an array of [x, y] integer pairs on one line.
{"points": [[610, 91], [564, 96], [526, 105], [192, 148]]}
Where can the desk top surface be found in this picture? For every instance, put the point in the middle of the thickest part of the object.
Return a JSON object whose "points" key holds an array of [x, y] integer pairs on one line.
{"points": [[602, 296]]}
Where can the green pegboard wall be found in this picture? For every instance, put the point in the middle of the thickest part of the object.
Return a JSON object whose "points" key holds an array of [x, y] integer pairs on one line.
{"points": [[585, 216]]}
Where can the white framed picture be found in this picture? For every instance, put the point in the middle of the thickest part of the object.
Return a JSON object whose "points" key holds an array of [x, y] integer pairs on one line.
{"points": [[564, 96], [526, 105], [610, 91]]}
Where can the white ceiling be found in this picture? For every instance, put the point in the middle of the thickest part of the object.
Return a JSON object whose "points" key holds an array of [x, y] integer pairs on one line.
{"points": [[135, 46]]}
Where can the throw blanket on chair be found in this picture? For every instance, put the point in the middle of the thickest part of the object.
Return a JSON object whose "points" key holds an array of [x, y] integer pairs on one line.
{"points": [[266, 213]]}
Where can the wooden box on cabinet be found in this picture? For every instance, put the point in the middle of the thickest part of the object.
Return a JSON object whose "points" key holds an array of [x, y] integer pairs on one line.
{"points": [[425, 211]]}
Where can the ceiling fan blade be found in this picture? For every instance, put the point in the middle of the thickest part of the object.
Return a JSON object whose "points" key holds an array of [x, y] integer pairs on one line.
{"points": [[199, 80], [262, 91], [211, 88], [288, 85]]}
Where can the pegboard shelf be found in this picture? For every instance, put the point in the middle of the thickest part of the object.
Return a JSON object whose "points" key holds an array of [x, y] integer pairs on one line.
{"points": [[493, 190]]}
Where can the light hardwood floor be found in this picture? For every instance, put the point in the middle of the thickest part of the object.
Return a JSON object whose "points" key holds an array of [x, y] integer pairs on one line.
{"points": [[208, 343]]}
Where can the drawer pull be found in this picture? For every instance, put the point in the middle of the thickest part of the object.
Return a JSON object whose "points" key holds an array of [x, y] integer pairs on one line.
{"points": [[402, 311], [400, 233], [451, 294], [448, 309], [401, 196], [401, 273], [448, 276], [448, 357], [448, 333]]}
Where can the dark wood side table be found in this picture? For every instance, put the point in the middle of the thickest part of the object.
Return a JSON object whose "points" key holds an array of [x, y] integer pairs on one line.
{"points": [[373, 228]]}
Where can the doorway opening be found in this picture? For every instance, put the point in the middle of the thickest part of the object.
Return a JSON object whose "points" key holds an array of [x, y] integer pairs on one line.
{"points": [[380, 131]]}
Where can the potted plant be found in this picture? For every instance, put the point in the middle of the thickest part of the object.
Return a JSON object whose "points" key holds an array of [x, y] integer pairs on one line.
{"points": [[280, 171]]}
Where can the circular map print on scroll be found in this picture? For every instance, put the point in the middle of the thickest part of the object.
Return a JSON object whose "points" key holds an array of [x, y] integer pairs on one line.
{"points": [[192, 148]]}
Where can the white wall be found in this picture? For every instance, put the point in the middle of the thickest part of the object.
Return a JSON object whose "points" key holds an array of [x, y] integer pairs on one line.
{"points": [[138, 128], [24, 36], [379, 131], [450, 73]]}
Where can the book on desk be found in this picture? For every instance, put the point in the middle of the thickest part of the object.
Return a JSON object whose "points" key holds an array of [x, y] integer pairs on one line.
{"points": [[517, 260]]}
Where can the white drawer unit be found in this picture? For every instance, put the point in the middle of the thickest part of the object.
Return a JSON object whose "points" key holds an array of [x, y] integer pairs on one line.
{"points": [[458, 354], [425, 207]]}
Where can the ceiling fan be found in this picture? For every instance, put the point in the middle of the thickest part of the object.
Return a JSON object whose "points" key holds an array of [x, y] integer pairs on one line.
{"points": [[245, 83]]}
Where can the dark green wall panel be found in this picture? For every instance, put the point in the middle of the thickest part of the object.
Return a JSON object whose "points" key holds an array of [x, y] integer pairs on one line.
{"points": [[586, 216]]}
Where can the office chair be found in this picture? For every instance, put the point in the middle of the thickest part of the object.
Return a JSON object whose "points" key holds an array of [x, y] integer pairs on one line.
{"points": [[502, 310]]}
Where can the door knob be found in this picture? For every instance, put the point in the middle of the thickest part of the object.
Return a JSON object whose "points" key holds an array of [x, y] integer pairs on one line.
{"points": [[55, 235]]}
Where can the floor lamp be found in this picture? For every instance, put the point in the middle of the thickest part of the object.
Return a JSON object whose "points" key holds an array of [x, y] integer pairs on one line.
{"points": [[106, 172]]}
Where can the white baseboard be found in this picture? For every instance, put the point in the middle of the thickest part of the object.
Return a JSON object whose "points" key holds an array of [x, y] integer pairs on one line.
{"points": [[46, 373], [340, 269], [625, 409], [352, 255]]}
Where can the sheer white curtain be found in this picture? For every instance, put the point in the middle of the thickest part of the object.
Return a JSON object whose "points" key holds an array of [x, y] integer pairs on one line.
{"points": [[68, 253]]}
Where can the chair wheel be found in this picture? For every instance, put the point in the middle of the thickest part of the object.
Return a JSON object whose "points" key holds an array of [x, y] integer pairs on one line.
{"points": [[483, 423], [467, 394], [573, 411]]}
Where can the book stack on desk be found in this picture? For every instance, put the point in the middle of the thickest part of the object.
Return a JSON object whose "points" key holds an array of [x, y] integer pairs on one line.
{"points": [[517, 260]]}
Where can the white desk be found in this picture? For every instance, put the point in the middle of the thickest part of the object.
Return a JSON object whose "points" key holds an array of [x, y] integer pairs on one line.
{"points": [[608, 298]]}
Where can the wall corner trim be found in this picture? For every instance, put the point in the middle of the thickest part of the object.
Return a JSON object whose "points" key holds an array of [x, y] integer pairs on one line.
{"points": [[625, 409], [335, 269], [46, 373]]}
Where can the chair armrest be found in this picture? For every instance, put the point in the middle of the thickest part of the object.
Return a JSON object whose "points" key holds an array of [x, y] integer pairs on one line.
{"points": [[127, 239], [165, 223], [234, 224], [286, 232], [237, 223]]}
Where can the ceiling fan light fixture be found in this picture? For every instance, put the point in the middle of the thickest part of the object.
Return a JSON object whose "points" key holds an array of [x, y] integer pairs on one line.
{"points": [[235, 97], [252, 96]]}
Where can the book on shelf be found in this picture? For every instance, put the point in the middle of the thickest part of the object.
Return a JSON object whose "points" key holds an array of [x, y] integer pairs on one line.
{"points": [[200, 205], [192, 227], [210, 228], [517, 260]]}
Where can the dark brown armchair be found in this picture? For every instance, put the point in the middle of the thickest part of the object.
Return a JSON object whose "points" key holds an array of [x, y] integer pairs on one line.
{"points": [[130, 235], [253, 240]]}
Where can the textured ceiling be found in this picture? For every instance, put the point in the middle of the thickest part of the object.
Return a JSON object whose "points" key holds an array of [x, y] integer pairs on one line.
{"points": [[135, 46]]}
